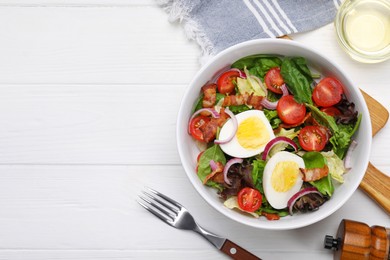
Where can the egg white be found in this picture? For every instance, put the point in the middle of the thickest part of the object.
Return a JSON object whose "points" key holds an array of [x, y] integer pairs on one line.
{"points": [[278, 200], [233, 148]]}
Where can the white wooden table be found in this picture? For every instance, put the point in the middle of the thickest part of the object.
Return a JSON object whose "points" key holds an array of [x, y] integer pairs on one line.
{"points": [[89, 93]]}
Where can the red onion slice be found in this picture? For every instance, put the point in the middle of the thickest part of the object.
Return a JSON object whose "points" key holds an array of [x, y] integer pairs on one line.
{"points": [[300, 194], [235, 126], [272, 105], [227, 167], [240, 73], [213, 113], [276, 140], [268, 104], [348, 156], [284, 89], [213, 165]]}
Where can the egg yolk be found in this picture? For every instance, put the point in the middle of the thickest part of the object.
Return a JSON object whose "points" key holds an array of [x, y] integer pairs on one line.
{"points": [[252, 133], [284, 176]]}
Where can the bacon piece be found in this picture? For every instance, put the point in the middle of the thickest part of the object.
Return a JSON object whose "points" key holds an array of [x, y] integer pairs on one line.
{"points": [[222, 118], [209, 95], [214, 173], [209, 130], [255, 101], [315, 173], [270, 216], [218, 178], [244, 99], [234, 100]]}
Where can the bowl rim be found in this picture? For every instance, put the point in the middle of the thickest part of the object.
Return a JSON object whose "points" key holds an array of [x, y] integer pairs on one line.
{"points": [[238, 218]]}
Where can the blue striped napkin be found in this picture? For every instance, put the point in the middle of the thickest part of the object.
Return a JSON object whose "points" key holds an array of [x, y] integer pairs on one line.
{"points": [[218, 24]]}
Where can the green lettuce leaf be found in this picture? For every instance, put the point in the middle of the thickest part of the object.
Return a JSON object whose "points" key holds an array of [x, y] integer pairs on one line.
{"points": [[239, 108], [215, 185], [341, 134], [198, 104], [323, 118], [273, 118], [297, 76], [324, 185], [317, 160], [258, 65], [336, 166], [301, 64], [249, 85], [212, 153], [342, 139], [290, 133], [314, 160], [257, 174]]}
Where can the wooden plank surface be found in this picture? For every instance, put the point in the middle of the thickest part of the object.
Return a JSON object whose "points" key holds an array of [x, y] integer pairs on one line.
{"points": [[92, 45], [89, 93], [93, 208], [88, 124]]}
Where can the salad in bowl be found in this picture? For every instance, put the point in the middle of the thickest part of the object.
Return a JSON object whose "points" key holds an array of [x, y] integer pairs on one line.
{"points": [[273, 137]]}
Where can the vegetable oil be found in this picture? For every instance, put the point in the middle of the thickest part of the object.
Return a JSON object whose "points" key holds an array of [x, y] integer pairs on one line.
{"points": [[363, 27]]}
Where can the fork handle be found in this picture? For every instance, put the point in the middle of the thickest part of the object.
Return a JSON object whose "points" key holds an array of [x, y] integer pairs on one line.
{"points": [[236, 252]]}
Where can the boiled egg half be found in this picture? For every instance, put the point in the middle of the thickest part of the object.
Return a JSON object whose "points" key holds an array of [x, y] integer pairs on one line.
{"points": [[253, 133], [282, 178]]}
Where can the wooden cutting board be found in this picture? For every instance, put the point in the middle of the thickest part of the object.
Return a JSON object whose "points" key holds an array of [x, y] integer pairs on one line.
{"points": [[375, 183]]}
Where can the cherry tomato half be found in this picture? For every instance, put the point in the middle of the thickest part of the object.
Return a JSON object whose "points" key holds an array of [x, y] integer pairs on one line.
{"points": [[312, 138], [290, 111], [273, 80], [249, 199], [195, 124], [327, 92], [331, 111], [225, 81], [326, 132]]}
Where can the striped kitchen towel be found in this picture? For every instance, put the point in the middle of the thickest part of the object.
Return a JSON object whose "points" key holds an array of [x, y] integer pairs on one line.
{"points": [[218, 24]]}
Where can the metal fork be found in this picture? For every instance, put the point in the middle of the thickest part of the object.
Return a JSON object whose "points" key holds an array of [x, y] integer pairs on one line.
{"points": [[175, 215]]}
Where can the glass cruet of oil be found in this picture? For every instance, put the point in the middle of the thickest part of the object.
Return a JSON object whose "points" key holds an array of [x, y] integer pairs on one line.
{"points": [[363, 29]]}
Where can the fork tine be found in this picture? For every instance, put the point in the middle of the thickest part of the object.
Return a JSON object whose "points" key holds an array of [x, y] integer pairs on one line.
{"points": [[177, 204], [163, 202], [158, 205], [154, 211]]}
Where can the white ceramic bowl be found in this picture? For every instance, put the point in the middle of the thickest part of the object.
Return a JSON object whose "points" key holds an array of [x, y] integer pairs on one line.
{"points": [[188, 150]]}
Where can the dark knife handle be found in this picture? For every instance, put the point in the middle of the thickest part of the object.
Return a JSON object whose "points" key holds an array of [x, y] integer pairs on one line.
{"points": [[236, 252]]}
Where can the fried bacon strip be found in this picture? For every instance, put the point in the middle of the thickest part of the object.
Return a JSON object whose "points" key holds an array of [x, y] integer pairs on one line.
{"points": [[209, 130], [234, 100], [244, 99], [214, 174], [270, 216], [255, 101], [314, 174], [209, 95]]}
